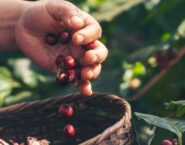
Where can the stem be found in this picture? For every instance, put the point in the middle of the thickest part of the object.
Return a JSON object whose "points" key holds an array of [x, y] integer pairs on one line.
{"points": [[180, 140]]}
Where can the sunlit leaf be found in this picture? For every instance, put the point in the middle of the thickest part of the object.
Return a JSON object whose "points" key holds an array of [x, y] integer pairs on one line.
{"points": [[139, 69], [22, 69], [4, 72], [166, 36]]}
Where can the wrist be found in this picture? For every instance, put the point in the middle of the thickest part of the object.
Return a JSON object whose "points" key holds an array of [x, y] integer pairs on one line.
{"points": [[10, 13]]}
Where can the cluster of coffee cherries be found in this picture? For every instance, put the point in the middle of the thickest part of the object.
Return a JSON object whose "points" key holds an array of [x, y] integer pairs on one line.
{"points": [[163, 58], [66, 110], [169, 142], [68, 69]]}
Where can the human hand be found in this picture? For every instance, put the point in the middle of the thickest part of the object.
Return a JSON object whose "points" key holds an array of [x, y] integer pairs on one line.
{"points": [[47, 16]]}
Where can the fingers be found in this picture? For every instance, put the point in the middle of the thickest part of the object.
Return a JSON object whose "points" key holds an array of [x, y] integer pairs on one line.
{"points": [[86, 28], [85, 88], [92, 72], [65, 13], [96, 55], [90, 32]]}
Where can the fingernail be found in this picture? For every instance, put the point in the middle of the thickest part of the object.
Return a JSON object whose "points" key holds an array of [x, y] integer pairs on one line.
{"points": [[76, 20], [79, 38]]}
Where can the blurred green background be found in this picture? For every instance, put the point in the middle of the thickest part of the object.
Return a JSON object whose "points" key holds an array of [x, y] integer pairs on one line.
{"points": [[133, 30]]}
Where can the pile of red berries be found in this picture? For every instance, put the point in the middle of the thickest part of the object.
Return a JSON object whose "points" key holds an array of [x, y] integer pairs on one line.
{"points": [[163, 58], [169, 142], [68, 68], [67, 111]]}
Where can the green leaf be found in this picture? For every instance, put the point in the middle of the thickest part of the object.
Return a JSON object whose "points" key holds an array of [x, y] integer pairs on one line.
{"points": [[176, 126], [22, 70], [166, 37], [5, 88], [6, 80], [4, 72], [139, 69], [20, 97], [178, 106]]}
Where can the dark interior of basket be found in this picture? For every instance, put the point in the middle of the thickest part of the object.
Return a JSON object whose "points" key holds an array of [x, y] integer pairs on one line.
{"points": [[91, 117]]}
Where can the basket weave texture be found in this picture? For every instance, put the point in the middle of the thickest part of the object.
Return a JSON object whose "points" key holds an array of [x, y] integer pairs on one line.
{"points": [[41, 119]]}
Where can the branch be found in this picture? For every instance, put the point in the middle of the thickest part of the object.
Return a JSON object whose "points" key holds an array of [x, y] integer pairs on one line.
{"points": [[153, 81]]}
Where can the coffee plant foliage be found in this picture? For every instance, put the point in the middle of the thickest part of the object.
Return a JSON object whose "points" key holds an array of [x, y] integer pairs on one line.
{"points": [[143, 38]]}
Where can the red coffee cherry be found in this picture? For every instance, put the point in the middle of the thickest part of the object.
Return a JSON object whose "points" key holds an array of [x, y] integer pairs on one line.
{"points": [[51, 39], [166, 142], [69, 130], [65, 110], [66, 77], [71, 75], [65, 37], [62, 78], [69, 61], [65, 62], [89, 46]]}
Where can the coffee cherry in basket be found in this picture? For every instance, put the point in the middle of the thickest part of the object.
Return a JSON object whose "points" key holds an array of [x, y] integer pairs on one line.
{"points": [[64, 37], [51, 39], [89, 46], [69, 130], [166, 142], [65, 110]]}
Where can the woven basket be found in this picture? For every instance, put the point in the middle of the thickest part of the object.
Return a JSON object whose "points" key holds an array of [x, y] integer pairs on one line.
{"points": [[102, 119]]}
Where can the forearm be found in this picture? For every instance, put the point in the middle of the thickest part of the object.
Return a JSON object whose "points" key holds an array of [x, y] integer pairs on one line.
{"points": [[10, 12]]}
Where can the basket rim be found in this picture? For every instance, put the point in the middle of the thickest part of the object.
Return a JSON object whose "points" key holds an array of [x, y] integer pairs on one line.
{"points": [[110, 130], [125, 120]]}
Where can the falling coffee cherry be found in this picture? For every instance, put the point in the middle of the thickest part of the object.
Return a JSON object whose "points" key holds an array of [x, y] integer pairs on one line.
{"points": [[66, 77], [65, 110], [51, 39], [89, 46], [69, 130], [62, 78], [65, 37]]}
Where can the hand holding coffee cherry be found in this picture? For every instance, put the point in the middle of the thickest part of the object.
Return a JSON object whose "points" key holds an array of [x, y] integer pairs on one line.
{"points": [[51, 19]]}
